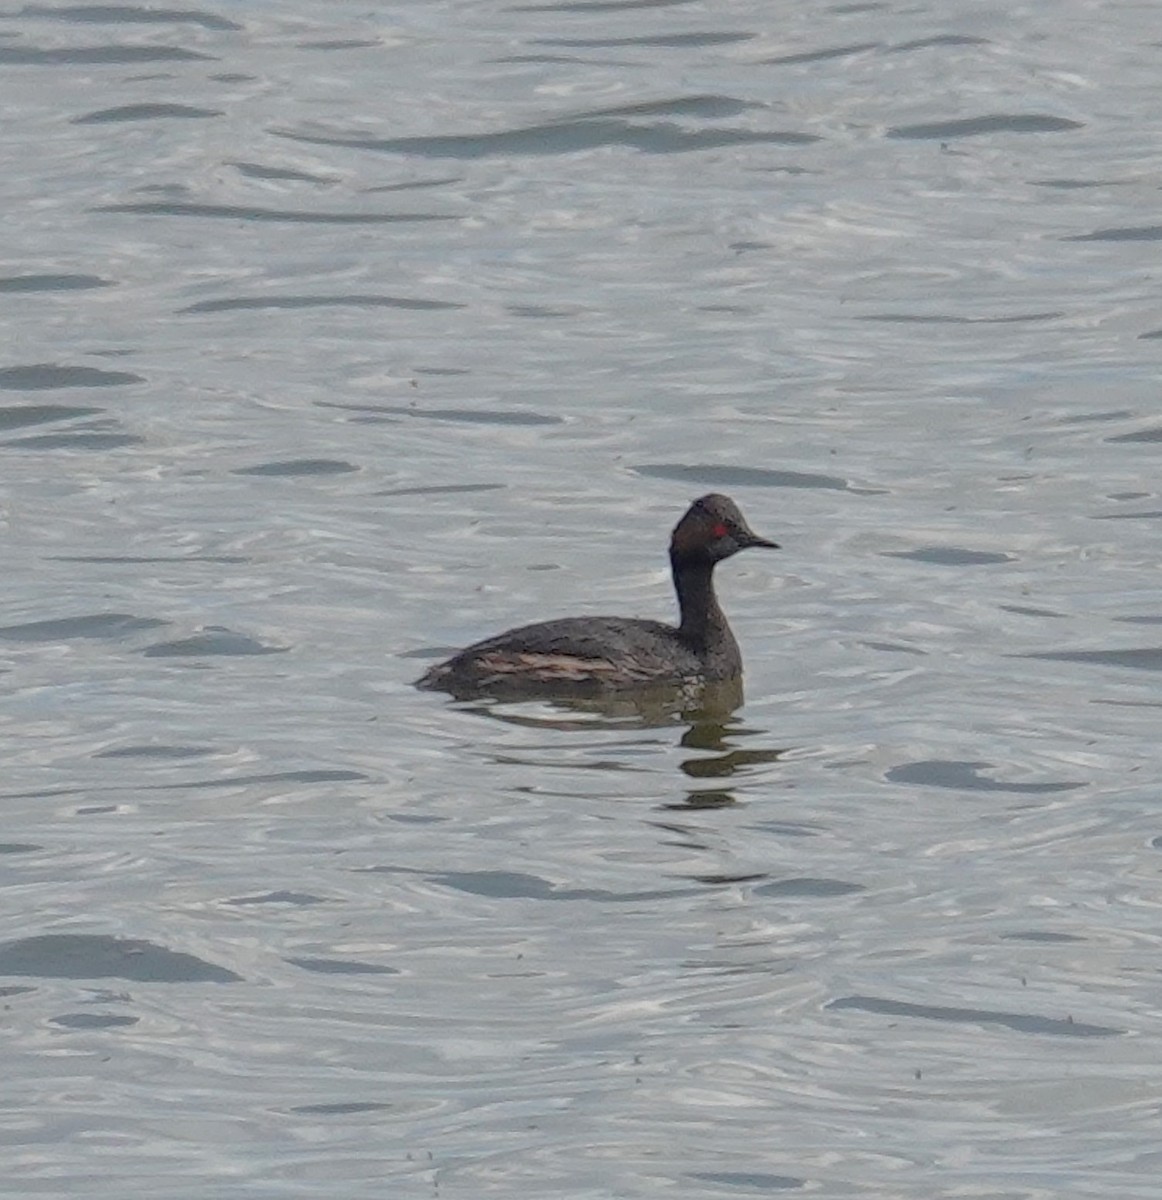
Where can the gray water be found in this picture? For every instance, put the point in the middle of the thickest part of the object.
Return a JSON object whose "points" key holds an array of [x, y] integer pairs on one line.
{"points": [[337, 335]]}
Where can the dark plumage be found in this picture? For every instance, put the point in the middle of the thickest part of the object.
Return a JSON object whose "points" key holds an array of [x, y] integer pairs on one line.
{"points": [[593, 655]]}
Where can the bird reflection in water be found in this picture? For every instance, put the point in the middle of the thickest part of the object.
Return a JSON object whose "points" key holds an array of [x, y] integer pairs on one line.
{"points": [[708, 712]]}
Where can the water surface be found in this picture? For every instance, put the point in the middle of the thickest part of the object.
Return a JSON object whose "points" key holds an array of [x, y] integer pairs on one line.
{"points": [[339, 336]]}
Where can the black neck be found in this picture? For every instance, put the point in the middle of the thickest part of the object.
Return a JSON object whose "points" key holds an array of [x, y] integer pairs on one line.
{"points": [[702, 620]]}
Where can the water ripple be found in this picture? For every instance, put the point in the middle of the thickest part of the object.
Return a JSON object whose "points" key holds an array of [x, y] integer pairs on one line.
{"points": [[1151, 434], [966, 776], [94, 956], [1020, 1022], [91, 625], [1124, 233], [244, 212], [469, 416], [19, 416], [596, 6], [86, 55], [295, 467], [951, 556], [749, 1181], [79, 440], [952, 319], [708, 105], [562, 137], [52, 283], [145, 112], [127, 14], [44, 376], [786, 60], [291, 302], [1143, 658], [342, 966], [213, 641], [940, 39], [975, 126], [664, 40]]}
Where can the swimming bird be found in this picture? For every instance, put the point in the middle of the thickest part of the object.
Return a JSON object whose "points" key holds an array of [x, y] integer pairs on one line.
{"points": [[595, 655]]}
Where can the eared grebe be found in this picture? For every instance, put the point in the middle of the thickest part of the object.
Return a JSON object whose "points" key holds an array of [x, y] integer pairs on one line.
{"points": [[588, 655]]}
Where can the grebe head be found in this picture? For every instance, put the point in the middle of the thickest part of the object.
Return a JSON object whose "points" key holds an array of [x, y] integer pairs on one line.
{"points": [[713, 529]]}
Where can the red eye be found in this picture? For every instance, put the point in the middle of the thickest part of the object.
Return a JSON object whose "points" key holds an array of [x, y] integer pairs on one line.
{"points": [[720, 530]]}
